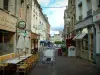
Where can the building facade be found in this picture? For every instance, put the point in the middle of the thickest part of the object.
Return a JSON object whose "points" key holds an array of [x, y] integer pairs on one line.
{"points": [[56, 37], [13, 11], [96, 21], [39, 24], [85, 29], [70, 20]]}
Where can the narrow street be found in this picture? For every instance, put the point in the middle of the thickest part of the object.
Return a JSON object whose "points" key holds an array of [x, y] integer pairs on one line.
{"points": [[66, 66]]}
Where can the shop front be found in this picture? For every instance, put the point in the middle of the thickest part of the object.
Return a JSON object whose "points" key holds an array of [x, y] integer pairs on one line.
{"points": [[34, 42], [82, 46], [7, 33]]}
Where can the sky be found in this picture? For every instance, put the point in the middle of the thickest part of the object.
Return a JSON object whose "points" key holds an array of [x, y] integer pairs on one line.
{"points": [[55, 15]]}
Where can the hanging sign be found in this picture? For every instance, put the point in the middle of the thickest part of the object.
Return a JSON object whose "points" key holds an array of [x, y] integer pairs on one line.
{"points": [[21, 25]]}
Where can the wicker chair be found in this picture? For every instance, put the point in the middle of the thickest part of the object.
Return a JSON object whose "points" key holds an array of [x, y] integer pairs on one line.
{"points": [[22, 67]]}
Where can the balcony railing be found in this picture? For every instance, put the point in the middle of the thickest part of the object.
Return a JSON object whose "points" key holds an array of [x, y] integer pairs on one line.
{"points": [[89, 12]]}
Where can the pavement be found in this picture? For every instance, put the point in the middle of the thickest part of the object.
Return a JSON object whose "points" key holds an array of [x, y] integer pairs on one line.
{"points": [[66, 66]]}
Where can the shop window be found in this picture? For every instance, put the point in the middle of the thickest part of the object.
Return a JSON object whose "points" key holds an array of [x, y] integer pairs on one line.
{"points": [[85, 44], [6, 42], [6, 4]]}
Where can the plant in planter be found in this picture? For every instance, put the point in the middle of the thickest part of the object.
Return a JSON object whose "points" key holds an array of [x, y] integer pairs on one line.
{"points": [[64, 50]]}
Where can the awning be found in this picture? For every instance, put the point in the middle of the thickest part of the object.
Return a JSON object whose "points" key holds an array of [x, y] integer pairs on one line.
{"points": [[81, 36], [44, 41], [75, 37]]}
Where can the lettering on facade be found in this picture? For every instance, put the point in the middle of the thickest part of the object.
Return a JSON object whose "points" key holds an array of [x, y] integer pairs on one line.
{"points": [[7, 20]]}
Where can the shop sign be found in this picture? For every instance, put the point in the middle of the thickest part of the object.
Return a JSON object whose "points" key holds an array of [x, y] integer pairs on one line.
{"points": [[21, 25], [7, 20], [20, 31]]}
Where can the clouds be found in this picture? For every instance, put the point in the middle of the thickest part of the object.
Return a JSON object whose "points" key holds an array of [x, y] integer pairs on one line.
{"points": [[44, 2], [55, 15]]}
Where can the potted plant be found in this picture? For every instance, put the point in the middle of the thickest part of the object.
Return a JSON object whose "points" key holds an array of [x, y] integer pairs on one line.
{"points": [[64, 50]]}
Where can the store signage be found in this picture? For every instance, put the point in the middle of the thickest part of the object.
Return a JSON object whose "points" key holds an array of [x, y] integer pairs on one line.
{"points": [[21, 25], [7, 20]]}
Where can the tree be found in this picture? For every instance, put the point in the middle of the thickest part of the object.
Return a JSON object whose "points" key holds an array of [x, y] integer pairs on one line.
{"points": [[58, 42]]}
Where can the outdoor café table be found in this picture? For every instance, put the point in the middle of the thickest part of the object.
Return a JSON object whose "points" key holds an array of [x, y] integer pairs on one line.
{"points": [[13, 62], [26, 56], [17, 60]]}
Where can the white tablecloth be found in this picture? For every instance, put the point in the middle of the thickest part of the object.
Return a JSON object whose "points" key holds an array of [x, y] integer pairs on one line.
{"points": [[17, 60]]}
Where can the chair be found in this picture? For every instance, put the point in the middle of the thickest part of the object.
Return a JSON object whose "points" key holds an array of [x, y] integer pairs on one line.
{"points": [[13, 55], [22, 67], [2, 65]]}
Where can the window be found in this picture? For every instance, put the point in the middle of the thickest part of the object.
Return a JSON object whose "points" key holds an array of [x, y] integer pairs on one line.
{"points": [[99, 26], [89, 4], [33, 15], [40, 22], [80, 8], [98, 3], [6, 4], [22, 1], [85, 44], [6, 42], [36, 18]]}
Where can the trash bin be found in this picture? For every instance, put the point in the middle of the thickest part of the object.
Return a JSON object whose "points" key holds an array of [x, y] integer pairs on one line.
{"points": [[71, 51]]}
